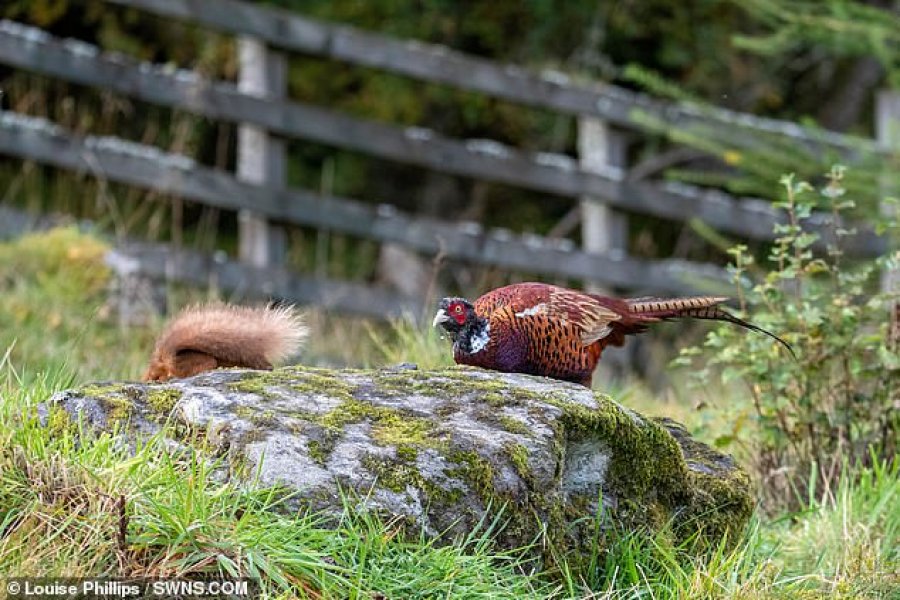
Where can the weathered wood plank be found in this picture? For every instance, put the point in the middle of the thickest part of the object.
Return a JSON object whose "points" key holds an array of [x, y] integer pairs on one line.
{"points": [[439, 64], [143, 166], [77, 62], [261, 157], [162, 262], [15, 222], [603, 230]]}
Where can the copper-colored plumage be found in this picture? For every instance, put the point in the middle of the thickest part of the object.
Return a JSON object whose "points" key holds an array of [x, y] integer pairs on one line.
{"points": [[547, 330], [202, 338]]}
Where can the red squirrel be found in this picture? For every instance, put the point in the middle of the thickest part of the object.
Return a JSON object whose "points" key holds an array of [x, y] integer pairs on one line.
{"points": [[204, 337]]}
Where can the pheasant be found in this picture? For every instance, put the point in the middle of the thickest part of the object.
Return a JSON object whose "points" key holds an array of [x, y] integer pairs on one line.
{"points": [[547, 330]]}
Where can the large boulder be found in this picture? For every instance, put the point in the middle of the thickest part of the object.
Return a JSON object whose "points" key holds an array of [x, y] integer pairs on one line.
{"points": [[443, 450]]}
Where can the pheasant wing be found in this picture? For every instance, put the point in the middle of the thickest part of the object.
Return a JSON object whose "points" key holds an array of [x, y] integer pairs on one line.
{"points": [[589, 316], [593, 319]]}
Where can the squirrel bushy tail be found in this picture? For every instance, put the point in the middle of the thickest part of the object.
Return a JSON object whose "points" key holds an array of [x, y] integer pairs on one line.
{"points": [[205, 337]]}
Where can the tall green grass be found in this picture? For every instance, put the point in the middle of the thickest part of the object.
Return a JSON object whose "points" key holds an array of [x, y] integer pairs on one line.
{"points": [[54, 314], [60, 490], [59, 514], [847, 546]]}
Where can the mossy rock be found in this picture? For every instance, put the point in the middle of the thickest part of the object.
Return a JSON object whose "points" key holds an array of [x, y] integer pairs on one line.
{"points": [[444, 451]]}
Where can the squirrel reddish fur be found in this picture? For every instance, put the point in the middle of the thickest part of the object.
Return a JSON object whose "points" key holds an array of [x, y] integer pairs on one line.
{"points": [[204, 337]]}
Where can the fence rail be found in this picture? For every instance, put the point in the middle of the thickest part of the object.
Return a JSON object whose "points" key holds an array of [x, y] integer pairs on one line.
{"points": [[157, 261], [147, 166], [81, 63], [13, 223], [430, 62], [257, 190], [161, 262]]}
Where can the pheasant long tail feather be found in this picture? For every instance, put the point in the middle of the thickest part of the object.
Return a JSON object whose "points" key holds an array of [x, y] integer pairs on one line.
{"points": [[701, 307], [668, 308]]}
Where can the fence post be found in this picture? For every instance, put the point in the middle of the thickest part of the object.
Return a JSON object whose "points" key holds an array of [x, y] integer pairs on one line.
{"points": [[887, 131], [603, 230], [260, 156]]}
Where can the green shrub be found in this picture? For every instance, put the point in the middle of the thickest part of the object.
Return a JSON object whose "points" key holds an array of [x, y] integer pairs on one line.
{"points": [[837, 403], [54, 309]]}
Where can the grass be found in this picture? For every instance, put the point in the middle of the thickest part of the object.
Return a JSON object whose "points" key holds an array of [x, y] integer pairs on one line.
{"points": [[843, 548], [60, 514], [54, 314], [60, 493]]}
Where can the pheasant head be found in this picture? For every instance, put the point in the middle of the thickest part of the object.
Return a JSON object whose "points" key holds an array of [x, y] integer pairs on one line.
{"points": [[470, 333]]}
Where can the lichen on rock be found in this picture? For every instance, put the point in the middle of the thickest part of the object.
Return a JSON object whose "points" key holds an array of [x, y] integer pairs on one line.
{"points": [[443, 450]]}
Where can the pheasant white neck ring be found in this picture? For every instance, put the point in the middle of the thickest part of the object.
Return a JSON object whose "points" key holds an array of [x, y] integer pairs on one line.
{"points": [[475, 338]]}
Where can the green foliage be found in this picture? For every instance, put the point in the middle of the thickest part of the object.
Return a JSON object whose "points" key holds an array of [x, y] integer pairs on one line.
{"points": [[59, 515], [844, 27], [656, 84], [814, 73], [59, 492], [411, 342], [750, 160], [845, 546], [837, 401], [64, 256], [53, 312]]}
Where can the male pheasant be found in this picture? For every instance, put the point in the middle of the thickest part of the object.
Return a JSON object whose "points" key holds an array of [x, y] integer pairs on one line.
{"points": [[547, 330]]}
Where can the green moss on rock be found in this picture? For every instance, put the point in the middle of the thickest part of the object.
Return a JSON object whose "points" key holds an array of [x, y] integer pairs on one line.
{"points": [[647, 463], [720, 501], [513, 425], [304, 380], [474, 470], [163, 399], [452, 382], [59, 422], [321, 382], [116, 399], [407, 452], [390, 427], [251, 385], [518, 456], [647, 475], [399, 476], [317, 451], [640, 477], [394, 429], [245, 412]]}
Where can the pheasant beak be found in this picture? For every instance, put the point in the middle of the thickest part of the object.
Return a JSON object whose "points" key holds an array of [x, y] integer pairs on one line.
{"points": [[440, 317]]}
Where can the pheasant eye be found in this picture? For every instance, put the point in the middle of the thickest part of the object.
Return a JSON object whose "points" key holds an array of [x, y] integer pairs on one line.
{"points": [[458, 308]]}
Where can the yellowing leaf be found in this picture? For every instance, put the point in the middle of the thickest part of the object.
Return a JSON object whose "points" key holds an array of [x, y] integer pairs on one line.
{"points": [[732, 157]]}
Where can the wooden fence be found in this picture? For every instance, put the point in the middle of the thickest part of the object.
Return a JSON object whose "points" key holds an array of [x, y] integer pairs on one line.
{"points": [[599, 179]]}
